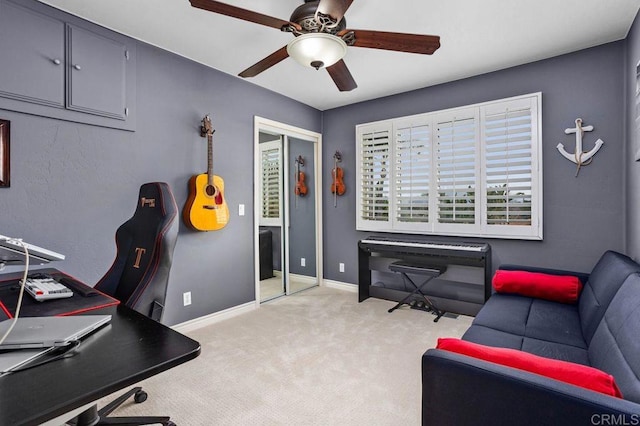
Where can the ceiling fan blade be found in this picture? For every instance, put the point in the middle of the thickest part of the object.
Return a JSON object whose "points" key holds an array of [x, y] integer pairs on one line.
{"points": [[334, 8], [236, 12], [268, 62], [341, 76], [401, 42]]}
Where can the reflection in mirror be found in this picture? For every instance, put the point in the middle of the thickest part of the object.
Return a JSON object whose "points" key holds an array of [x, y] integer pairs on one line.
{"points": [[288, 250], [302, 215], [271, 218]]}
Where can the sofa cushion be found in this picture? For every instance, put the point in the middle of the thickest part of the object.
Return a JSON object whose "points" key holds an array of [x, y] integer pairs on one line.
{"points": [[579, 375], [505, 312], [556, 350], [558, 288], [615, 346], [606, 278], [492, 337], [555, 322], [532, 318]]}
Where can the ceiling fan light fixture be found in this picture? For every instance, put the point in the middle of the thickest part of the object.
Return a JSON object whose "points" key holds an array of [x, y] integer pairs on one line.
{"points": [[317, 50]]}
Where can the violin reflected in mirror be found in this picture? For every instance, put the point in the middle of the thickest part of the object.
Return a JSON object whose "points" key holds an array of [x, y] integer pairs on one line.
{"points": [[301, 188]]}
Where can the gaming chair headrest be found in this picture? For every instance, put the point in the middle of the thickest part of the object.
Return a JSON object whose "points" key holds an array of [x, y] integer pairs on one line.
{"points": [[155, 199]]}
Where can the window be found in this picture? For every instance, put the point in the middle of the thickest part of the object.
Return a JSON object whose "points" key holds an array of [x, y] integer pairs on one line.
{"points": [[376, 165], [270, 182], [469, 171], [413, 173]]}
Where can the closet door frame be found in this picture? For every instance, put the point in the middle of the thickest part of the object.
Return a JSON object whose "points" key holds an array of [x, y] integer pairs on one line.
{"points": [[271, 126]]}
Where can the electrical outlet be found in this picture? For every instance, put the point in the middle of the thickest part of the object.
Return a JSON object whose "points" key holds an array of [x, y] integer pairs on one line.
{"points": [[341, 265], [186, 298], [303, 261], [240, 209]]}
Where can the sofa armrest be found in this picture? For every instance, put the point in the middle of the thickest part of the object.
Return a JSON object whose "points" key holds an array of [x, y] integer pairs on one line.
{"points": [[582, 276], [460, 390]]}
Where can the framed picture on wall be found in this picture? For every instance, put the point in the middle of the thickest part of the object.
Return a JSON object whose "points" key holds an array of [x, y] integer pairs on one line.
{"points": [[4, 152]]}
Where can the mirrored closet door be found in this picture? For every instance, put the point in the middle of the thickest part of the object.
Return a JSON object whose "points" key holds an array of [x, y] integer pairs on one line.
{"points": [[271, 231], [288, 223], [300, 234]]}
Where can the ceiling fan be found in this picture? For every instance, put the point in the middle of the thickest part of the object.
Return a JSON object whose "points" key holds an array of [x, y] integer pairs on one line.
{"points": [[321, 37]]}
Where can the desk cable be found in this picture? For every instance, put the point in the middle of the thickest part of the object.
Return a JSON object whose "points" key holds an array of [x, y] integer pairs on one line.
{"points": [[61, 352], [22, 282]]}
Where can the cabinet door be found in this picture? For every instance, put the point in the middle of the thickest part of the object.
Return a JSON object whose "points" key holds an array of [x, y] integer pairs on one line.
{"points": [[31, 56], [95, 73]]}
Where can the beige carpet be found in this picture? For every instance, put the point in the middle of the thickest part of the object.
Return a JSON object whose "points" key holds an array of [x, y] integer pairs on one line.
{"points": [[314, 358], [271, 288]]}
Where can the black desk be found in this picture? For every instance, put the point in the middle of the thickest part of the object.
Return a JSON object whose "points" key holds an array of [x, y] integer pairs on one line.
{"points": [[131, 348]]}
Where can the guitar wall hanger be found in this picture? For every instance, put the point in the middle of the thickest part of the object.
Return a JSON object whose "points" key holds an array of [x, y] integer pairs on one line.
{"points": [[206, 128], [580, 157]]}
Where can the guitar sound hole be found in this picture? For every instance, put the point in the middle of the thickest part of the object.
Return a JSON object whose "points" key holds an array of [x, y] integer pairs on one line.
{"points": [[211, 190]]}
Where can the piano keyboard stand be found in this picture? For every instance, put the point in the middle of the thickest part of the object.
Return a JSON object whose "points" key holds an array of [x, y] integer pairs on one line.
{"points": [[405, 268]]}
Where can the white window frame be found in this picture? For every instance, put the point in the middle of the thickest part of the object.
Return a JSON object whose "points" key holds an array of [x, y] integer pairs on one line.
{"points": [[480, 227]]}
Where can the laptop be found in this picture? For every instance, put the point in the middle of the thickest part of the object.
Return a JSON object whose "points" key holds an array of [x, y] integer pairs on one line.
{"points": [[10, 360], [43, 332]]}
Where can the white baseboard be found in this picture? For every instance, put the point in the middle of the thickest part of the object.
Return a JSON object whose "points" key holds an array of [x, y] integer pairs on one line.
{"points": [[353, 288], [234, 311], [215, 317], [304, 279]]}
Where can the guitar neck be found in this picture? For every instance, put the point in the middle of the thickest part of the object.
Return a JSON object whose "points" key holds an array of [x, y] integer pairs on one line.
{"points": [[210, 158]]}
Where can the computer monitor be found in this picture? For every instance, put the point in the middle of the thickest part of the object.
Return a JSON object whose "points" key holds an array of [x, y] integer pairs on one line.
{"points": [[12, 253]]}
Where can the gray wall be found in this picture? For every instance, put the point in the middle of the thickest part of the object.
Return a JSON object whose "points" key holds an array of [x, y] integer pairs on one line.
{"points": [[582, 216], [633, 140], [72, 185]]}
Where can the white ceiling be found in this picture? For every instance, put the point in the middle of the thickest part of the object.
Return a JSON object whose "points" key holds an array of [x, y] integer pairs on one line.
{"points": [[476, 37]]}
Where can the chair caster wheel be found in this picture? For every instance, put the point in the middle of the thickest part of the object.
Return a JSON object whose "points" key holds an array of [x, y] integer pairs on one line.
{"points": [[140, 396], [170, 423]]}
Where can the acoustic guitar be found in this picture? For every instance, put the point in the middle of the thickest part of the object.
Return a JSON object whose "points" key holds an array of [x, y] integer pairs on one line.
{"points": [[206, 208]]}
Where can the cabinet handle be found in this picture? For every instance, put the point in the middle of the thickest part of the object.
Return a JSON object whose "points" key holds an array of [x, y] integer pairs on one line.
{"points": [[76, 66], [56, 61]]}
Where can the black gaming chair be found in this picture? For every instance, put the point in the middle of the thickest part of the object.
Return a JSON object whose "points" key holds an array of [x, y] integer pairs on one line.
{"points": [[140, 272]]}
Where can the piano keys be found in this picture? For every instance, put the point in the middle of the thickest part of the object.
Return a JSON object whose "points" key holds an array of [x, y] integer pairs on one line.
{"points": [[453, 294], [413, 246]]}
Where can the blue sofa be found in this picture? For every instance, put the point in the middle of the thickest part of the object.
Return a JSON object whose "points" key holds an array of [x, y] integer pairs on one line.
{"points": [[602, 330]]}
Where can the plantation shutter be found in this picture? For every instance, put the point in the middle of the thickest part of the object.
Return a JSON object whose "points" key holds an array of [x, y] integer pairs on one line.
{"points": [[412, 173], [375, 173], [508, 168], [270, 180], [468, 171], [456, 167]]}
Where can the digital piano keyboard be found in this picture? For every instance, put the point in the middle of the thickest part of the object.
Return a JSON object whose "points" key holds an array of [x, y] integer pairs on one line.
{"points": [[417, 246], [454, 296]]}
